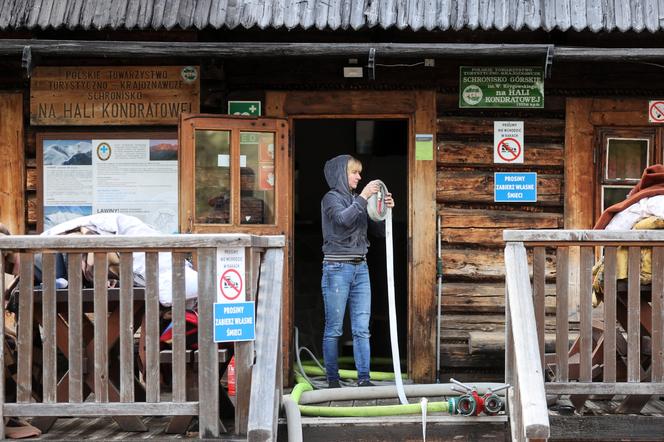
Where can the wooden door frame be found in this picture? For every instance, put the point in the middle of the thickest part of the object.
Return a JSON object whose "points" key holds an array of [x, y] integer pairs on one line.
{"points": [[419, 108]]}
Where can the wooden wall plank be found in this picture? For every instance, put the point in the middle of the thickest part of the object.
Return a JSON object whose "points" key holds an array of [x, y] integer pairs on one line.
{"points": [[485, 227], [483, 126], [499, 219], [479, 264], [484, 297], [12, 163], [474, 153], [476, 186], [360, 102]]}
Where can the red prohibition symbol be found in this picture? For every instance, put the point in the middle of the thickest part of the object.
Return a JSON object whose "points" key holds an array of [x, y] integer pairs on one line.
{"points": [[657, 111], [509, 149], [230, 284]]}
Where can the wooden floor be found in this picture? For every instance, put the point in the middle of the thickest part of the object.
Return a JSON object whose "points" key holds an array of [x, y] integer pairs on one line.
{"points": [[82, 429], [599, 423]]}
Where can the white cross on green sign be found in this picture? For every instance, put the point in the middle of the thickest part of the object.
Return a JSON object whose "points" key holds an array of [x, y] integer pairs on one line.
{"points": [[247, 108]]}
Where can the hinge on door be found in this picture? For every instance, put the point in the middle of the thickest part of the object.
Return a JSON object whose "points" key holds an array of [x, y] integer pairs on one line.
{"points": [[595, 155]]}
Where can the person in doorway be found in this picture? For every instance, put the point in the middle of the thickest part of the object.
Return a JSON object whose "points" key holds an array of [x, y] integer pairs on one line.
{"points": [[345, 272]]}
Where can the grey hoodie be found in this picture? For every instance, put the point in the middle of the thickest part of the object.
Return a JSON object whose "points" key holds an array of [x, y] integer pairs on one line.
{"points": [[344, 214]]}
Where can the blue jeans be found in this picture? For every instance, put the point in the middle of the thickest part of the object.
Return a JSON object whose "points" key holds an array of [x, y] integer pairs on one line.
{"points": [[346, 283]]}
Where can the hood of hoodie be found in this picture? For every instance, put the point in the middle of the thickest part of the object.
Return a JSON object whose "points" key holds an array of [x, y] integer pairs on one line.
{"points": [[336, 174]]}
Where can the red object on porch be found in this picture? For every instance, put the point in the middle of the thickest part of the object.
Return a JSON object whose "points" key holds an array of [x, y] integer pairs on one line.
{"points": [[230, 373]]}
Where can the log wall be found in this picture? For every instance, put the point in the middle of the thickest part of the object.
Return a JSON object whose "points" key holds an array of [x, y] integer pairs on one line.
{"points": [[472, 325]]}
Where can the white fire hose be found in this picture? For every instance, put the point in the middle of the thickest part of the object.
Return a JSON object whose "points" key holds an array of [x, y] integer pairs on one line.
{"points": [[378, 211]]}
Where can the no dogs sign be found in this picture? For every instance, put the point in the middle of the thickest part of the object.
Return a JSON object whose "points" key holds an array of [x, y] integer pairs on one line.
{"points": [[508, 142], [230, 275]]}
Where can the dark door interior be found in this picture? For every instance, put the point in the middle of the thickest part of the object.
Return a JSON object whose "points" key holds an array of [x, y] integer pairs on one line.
{"points": [[382, 146]]}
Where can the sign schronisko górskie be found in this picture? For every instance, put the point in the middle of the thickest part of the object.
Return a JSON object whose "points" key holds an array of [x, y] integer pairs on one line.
{"points": [[501, 87]]}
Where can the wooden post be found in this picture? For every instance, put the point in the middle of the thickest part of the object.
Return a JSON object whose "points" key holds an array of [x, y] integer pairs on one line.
{"points": [[531, 394], [12, 166], [263, 412], [208, 356]]}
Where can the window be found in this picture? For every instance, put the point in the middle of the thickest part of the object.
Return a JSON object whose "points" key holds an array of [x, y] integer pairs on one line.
{"points": [[624, 155], [232, 174]]}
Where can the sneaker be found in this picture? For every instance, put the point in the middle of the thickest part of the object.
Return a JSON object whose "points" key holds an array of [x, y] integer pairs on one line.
{"points": [[333, 384], [365, 383]]}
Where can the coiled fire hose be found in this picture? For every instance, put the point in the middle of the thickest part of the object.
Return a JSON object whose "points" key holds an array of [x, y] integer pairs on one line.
{"points": [[378, 211]]}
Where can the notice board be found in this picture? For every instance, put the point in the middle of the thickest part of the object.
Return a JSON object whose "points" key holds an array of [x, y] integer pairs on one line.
{"points": [[85, 174]]}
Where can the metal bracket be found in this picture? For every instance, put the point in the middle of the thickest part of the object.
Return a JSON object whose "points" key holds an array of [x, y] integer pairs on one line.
{"points": [[26, 61], [371, 65], [548, 64]]}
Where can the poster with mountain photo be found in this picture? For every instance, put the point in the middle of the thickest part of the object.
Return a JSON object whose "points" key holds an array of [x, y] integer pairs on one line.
{"points": [[67, 176]]}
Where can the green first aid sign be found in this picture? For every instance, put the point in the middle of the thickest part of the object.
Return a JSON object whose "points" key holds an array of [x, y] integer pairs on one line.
{"points": [[501, 87], [247, 108]]}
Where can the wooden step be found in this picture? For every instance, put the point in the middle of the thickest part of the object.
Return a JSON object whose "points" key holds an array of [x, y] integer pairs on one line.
{"points": [[400, 428]]}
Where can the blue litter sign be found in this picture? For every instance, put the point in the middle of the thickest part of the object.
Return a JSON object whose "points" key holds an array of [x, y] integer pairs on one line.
{"points": [[515, 187], [234, 321]]}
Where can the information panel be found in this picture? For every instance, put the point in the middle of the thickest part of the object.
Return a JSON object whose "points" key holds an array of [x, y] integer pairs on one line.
{"points": [[137, 177], [512, 187], [501, 87], [234, 321]]}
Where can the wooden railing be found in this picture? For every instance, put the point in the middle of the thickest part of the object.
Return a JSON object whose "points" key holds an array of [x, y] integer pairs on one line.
{"points": [[87, 366], [606, 357], [523, 370]]}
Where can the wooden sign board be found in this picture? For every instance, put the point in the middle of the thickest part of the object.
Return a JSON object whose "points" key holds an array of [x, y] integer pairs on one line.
{"points": [[113, 95]]}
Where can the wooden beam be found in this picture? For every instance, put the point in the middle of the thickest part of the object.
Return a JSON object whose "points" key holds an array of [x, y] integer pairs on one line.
{"points": [[263, 49], [579, 183], [422, 245], [12, 165]]}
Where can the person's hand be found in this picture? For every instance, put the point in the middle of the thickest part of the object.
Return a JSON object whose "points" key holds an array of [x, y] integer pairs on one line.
{"points": [[371, 188], [389, 201]]}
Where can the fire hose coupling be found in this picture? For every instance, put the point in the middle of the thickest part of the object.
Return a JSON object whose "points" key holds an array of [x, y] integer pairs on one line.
{"points": [[376, 206], [472, 404]]}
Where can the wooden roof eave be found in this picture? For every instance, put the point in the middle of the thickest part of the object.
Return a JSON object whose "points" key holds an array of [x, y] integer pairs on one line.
{"points": [[111, 49]]}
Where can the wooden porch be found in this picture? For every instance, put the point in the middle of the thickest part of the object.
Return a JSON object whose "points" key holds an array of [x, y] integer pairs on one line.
{"points": [[90, 364], [604, 383]]}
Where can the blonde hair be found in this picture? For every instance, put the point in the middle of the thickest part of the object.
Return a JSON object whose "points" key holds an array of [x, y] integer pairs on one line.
{"points": [[353, 164]]}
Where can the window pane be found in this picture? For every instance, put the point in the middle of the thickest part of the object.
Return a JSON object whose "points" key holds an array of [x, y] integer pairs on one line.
{"points": [[213, 177], [614, 194], [257, 178], [626, 158]]}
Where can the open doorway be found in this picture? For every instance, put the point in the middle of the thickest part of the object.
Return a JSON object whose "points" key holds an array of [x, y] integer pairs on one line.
{"points": [[382, 146]]}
